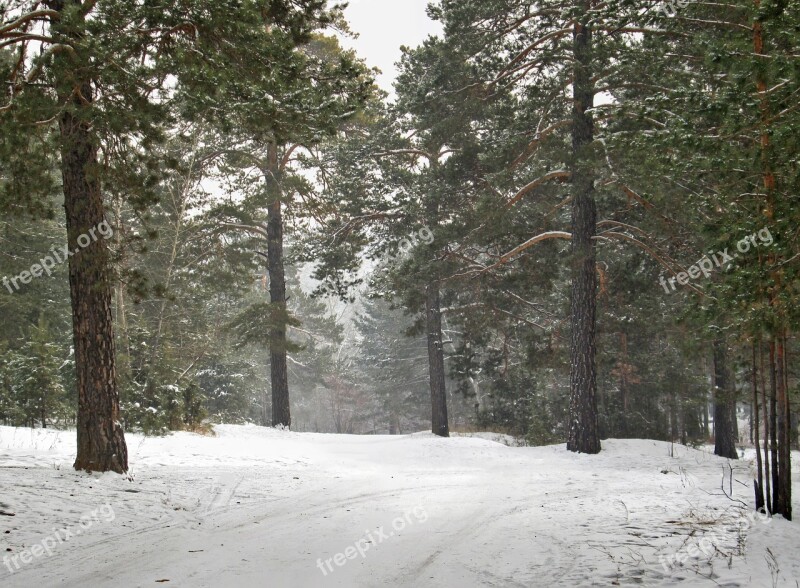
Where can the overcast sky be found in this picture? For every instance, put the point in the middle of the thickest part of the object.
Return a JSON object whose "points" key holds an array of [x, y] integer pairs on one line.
{"points": [[383, 26]]}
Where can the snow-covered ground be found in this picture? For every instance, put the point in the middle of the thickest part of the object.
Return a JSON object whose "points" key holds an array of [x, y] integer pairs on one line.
{"points": [[255, 507]]}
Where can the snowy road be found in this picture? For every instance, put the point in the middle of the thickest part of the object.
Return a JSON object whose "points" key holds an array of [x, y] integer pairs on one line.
{"points": [[257, 507]]}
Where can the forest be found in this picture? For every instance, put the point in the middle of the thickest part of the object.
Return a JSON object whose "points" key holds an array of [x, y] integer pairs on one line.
{"points": [[569, 221]]}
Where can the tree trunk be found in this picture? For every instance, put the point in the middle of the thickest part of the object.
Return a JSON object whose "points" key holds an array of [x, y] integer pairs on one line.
{"points": [[783, 498], [394, 423], [101, 442], [765, 410], [279, 374], [266, 419], [754, 420], [724, 430], [773, 427], [623, 386], [44, 408], [780, 411], [584, 430], [433, 320]]}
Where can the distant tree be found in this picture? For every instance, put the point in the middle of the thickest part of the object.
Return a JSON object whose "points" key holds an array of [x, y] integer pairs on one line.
{"points": [[391, 365], [271, 140]]}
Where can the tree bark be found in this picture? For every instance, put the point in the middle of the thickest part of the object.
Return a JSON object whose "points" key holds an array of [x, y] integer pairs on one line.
{"points": [[754, 419], [724, 430], [765, 410], [773, 428], [101, 442], [783, 498], [780, 411], [279, 374], [584, 434], [433, 320]]}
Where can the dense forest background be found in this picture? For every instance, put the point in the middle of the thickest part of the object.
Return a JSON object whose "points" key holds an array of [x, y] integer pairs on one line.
{"points": [[457, 196]]}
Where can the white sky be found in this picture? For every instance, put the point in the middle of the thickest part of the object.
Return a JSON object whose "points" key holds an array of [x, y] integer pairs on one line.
{"points": [[383, 26]]}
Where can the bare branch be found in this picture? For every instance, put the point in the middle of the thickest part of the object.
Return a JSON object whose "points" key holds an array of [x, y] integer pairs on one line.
{"points": [[560, 174], [36, 15]]}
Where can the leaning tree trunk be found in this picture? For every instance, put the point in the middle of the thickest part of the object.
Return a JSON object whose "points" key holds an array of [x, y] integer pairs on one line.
{"points": [[433, 324], [279, 375], [101, 442], [584, 436], [724, 429]]}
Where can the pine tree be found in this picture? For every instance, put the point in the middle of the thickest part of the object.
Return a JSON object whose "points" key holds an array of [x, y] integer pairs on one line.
{"points": [[86, 59]]}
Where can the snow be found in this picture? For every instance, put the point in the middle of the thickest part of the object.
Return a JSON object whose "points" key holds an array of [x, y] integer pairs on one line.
{"points": [[260, 507]]}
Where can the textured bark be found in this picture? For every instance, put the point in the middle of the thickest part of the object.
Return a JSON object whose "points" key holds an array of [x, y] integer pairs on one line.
{"points": [[724, 430], [279, 375], [433, 320], [584, 436], [101, 442]]}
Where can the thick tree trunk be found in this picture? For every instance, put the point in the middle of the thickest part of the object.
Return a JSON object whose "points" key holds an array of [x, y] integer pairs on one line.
{"points": [[584, 436], [279, 374], [101, 443], [724, 430], [433, 320]]}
